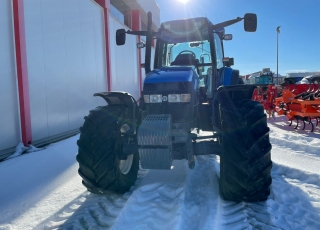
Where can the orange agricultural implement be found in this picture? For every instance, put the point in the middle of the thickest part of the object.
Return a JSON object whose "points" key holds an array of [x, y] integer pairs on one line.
{"points": [[266, 95], [304, 106]]}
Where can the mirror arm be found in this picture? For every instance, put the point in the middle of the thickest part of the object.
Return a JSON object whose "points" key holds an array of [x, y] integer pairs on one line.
{"points": [[226, 23], [140, 33]]}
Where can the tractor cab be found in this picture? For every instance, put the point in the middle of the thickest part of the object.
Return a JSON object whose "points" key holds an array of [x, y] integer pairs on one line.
{"points": [[192, 42]]}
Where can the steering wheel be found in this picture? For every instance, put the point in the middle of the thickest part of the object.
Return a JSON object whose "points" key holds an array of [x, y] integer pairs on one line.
{"points": [[188, 51]]}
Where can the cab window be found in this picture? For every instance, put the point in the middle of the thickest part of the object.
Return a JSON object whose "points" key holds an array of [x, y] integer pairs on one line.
{"points": [[219, 52]]}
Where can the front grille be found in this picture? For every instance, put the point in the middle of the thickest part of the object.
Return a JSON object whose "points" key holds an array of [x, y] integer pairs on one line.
{"points": [[180, 112]]}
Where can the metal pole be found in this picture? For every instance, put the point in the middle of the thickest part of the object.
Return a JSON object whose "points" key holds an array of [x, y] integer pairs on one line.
{"points": [[277, 57], [278, 31]]}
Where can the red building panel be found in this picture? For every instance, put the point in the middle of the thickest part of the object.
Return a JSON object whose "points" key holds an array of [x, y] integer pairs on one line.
{"points": [[22, 70], [105, 4]]}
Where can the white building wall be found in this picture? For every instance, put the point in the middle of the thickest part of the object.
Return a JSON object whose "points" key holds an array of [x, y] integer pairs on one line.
{"points": [[152, 6], [124, 65], [9, 106], [66, 63]]}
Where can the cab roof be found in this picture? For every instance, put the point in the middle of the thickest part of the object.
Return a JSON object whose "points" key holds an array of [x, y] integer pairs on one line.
{"points": [[185, 30]]}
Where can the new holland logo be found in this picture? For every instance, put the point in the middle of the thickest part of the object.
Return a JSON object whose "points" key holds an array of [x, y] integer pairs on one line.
{"points": [[164, 98]]}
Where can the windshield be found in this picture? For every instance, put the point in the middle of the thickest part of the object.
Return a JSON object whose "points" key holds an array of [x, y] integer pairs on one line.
{"points": [[195, 53], [199, 51]]}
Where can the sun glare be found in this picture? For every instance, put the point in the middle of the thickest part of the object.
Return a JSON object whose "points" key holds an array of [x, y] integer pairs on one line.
{"points": [[183, 1]]}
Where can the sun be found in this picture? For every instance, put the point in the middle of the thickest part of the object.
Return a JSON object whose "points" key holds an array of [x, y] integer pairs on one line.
{"points": [[183, 1]]}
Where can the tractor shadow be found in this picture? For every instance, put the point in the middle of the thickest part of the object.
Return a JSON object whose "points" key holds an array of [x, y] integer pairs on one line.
{"points": [[90, 211], [87, 211]]}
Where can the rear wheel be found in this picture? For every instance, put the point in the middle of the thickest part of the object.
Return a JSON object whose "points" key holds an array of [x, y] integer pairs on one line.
{"points": [[245, 164], [99, 147]]}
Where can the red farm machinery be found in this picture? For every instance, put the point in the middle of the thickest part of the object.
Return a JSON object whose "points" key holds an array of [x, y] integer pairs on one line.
{"points": [[300, 101]]}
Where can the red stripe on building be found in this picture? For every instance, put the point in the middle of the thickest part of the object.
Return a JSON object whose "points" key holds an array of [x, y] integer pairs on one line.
{"points": [[136, 26], [105, 4], [22, 70]]}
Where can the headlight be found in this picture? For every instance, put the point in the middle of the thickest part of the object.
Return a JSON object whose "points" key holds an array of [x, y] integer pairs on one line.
{"points": [[152, 98], [179, 97], [185, 97], [174, 97], [146, 98]]}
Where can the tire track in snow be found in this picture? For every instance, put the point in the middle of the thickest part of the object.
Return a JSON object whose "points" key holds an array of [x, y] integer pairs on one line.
{"points": [[156, 203], [294, 202], [200, 205], [238, 215], [91, 211], [288, 206]]}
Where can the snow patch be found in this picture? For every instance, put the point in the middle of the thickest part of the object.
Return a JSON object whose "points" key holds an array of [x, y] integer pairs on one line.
{"points": [[21, 149]]}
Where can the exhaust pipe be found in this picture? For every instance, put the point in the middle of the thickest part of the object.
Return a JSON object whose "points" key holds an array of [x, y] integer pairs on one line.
{"points": [[149, 38]]}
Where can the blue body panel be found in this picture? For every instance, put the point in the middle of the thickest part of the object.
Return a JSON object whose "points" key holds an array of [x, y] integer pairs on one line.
{"points": [[170, 74], [225, 75]]}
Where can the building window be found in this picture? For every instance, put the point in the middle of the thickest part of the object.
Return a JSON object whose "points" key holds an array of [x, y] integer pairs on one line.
{"points": [[121, 12], [117, 14]]}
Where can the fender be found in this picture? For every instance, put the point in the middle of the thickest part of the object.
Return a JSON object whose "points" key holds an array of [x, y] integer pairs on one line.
{"points": [[228, 76], [122, 98]]}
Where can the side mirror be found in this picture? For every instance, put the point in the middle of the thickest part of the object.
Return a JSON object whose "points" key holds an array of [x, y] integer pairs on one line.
{"points": [[121, 37], [250, 22], [228, 61], [227, 37]]}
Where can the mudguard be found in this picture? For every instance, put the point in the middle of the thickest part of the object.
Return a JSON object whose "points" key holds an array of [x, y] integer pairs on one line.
{"points": [[228, 76], [122, 98]]}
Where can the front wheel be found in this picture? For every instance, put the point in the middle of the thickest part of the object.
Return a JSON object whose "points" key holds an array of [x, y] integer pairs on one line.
{"points": [[245, 163], [99, 146]]}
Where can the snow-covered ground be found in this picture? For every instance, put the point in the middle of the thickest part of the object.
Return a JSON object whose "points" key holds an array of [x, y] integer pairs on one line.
{"points": [[42, 190]]}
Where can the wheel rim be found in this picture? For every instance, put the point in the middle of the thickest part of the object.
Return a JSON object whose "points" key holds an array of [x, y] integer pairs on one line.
{"points": [[125, 165]]}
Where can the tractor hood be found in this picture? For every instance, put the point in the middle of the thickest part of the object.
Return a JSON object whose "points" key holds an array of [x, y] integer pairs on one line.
{"points": [[172, 74]]}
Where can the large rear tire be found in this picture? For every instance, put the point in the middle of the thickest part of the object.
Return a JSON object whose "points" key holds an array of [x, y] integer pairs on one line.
{"points": [[98, 155], [245, 164]]}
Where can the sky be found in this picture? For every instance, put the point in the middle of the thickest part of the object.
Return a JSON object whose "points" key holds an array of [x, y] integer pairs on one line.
{"points": [[42, 190], [298, 41]]}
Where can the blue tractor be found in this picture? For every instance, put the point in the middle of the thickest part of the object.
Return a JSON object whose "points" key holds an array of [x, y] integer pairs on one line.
{"points": [[191, 87]]}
